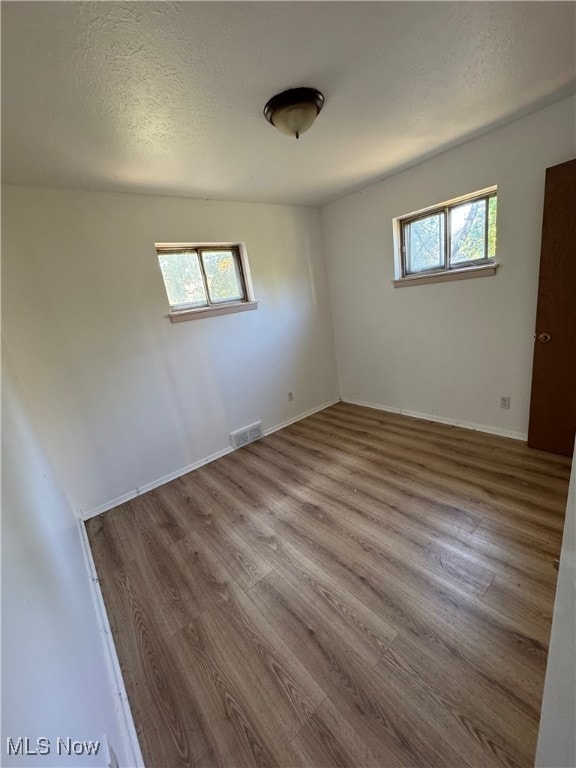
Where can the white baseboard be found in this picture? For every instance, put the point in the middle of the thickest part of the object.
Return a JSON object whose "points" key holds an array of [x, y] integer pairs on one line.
{"points": [[301, 416], [131, 745], [132, 753], [441, 419], [150, 486], [184, 470]]}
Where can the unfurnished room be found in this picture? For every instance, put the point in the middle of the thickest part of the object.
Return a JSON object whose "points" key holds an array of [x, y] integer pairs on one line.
{"points": [[288, 384]]}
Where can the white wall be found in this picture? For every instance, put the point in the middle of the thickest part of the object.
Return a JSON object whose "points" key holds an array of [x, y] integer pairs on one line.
{"points": [[54, 674], [557, 736], [447, 350], [121, 396]]}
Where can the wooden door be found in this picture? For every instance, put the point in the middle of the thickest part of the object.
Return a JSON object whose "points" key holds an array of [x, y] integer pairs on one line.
{"points": [[553, 401]]}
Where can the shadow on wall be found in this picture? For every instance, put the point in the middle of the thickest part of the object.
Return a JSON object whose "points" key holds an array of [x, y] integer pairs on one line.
{"points": [[55, 681]]}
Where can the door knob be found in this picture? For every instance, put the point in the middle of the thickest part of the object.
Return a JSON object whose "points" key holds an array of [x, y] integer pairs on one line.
{"points": [[544, 337]]}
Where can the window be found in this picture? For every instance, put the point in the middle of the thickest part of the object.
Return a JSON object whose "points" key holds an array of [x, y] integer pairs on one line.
{"points": [[453, 240], [207, 279]]}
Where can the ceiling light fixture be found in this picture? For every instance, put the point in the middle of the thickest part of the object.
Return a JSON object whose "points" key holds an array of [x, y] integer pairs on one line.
{"points": [[294, 111]]}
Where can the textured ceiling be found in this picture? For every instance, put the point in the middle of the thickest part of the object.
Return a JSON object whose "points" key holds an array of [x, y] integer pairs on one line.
{"points": [[167, 97]]}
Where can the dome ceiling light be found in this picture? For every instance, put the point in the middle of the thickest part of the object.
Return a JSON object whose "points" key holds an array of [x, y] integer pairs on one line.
{"points": [[294, 111]]}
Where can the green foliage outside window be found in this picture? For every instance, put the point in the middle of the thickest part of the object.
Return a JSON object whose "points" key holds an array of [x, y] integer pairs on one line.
{"points": [[200, 277], [453, 236]]}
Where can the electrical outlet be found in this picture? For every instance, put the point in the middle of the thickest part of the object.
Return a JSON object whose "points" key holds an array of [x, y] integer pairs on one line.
{"points": [[505, 402], [290, 396]]}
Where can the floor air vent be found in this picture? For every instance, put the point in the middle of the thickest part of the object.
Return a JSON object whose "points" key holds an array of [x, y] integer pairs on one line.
{"points": [[246, 435]]}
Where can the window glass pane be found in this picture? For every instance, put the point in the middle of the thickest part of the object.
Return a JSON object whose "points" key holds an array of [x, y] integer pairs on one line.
{"points": [[424, 242], [183, 279], [222, 276], [492, 207], [468, 231]]}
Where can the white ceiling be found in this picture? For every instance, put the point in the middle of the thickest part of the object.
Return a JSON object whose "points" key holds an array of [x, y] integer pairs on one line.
{"points": [[168, 96]]}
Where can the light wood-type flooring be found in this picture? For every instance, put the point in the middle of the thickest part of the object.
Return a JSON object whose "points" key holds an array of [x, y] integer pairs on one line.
{"points": [[358, 589]]}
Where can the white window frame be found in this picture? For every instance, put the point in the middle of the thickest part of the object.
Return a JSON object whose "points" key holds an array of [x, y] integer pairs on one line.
{"points": [[461, 271], [224, 308]]}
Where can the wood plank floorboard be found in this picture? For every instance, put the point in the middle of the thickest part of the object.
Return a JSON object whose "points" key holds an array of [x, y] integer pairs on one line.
{"points": [[360, 590]]}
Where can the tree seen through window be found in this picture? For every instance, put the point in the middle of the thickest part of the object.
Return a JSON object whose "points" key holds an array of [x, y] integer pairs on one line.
{"points": [[201, 277], [453, 236]]}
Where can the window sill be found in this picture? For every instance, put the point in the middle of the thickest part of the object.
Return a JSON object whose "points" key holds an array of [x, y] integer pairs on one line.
{"points": [[197, 314], [442, 277]]}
